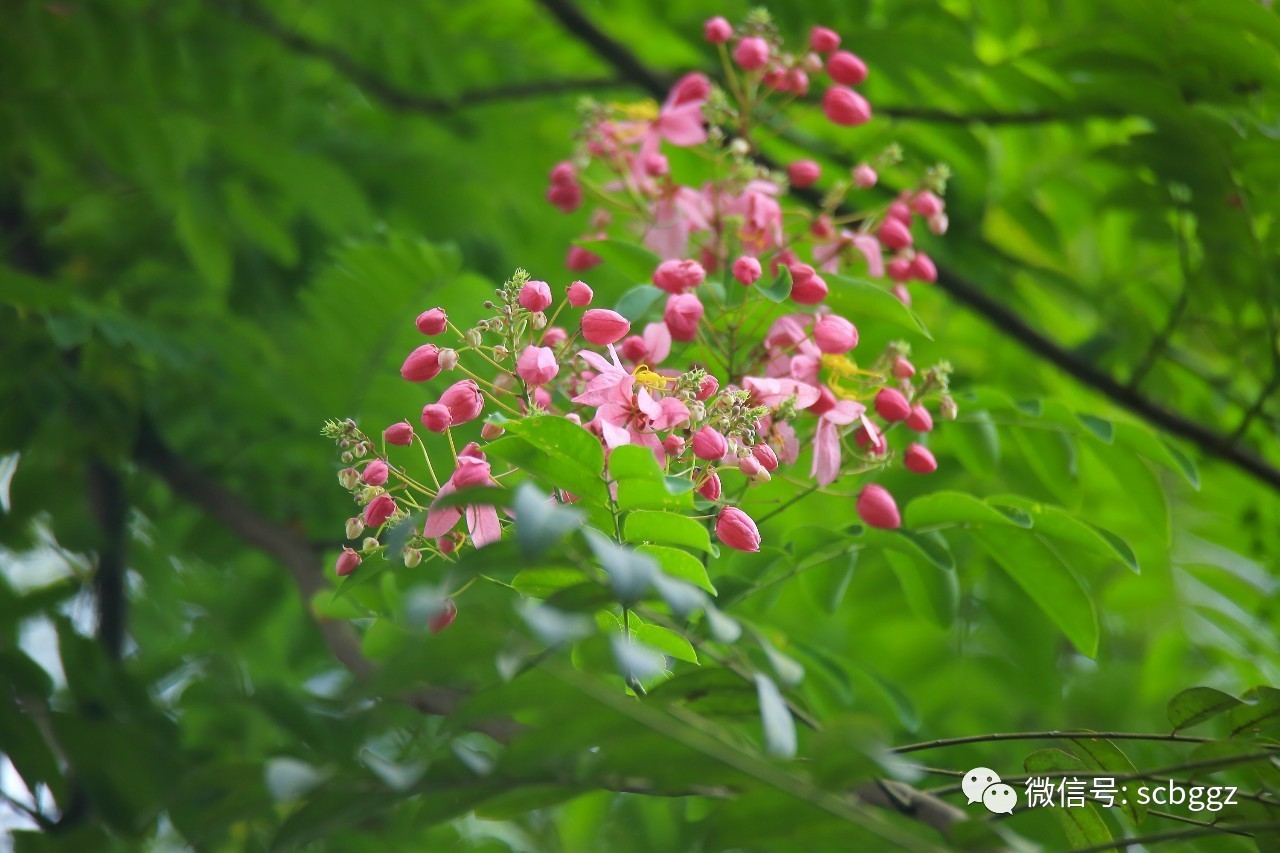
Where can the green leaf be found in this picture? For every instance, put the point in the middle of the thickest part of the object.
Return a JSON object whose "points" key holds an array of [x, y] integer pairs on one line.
{"points": [[1145, 442], [775, 718], [1084, 827], [200, 231], [862, 300], [637, 301], [929, 545], [556, 451], [976, 442], [630, 572], [627, 257], [540, 521], [543, 583], [1101, 428], [950, 508], [666, 641], [779, 289], [1102, 754], [931, 594], [666, 527], [1057, 523], [680, 564], [643, 485], [1259, 712], [1048, 580], [1196, 705]]}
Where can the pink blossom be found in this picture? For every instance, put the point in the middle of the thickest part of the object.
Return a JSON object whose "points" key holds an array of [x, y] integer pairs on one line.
{"points": [[894, 234], [926, 204], [422, 364], [746, 270], [535, 296], [379, 510], [903, 368], [717, 30], [877, 508], [554, 336], [765, 456], [846, 68], [900, 269], [772, 392], [823, 40], [709, 444], [834, 334], [919, 460], [678, 212], [752, 53], [919, 420], [436, 417], [803, 173], [601, 326], [868, 437], [709, 386], [678, 276], [482, 520], [625, 415], [761, 215], [463, 400], [845, 107], [432, 322], [864, 176], [652, 348], [736, 529], [579, 294], [922, 268], [710, 487], [375, 473], [537, 365], [682, 315], [399, 434], [347, 562], [826, 439], [580, 260], [892, 405]]}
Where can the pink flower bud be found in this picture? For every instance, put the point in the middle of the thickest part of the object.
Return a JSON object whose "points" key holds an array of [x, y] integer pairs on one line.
{"points": [[633, 348], [709, 386], [682, 315], [797, 82], [709, 444], [752, 53], [876, 508], [894, 235], [443, 617], [379, 510], [673, 445], [400, 434], [747, 270], [717, 30], [422, 364], [920, 420], [554, 336], [834, 334], [845, 107], [902, 368], [899, 269], [846, 68], [812, 290], [901, 293], [892, 405], [749, 466], [463, 400], [375, 473], [938, 223], [864, 176], [567, 197], [601, 326], [490, 431], [563, 173], [447, 543], [537, 365], [710, 487], [535, 295], [347, 562], [823, 40], [655, 165], [874, 442], [919, 460], [926, 204], [579, 259], [922, 268], [736, 529], [433, 322], [764, 454], [435, 417], [678, 276], [898, 210], [448, 359], [803, 173], [579, 294]]}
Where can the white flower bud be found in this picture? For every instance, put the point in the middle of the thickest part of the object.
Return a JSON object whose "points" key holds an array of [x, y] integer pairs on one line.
{"points": [[412, 557], [354, 528], [500, 352], [490, 431], [739, 147], [448, 359], [347, 457], [539, 320], [949, 407], [473, 337], [361, 450], [348, 477], [370, 543]]}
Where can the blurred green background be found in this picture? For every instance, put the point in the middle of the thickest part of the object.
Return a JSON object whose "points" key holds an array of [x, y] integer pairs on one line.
{"points": [[219, 218]]}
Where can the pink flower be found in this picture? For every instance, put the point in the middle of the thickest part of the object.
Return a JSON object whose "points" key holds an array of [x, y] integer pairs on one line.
{"points": [[876, 508], [652, 348], [765, 456], [868, 437], [761, 215], [565, 192], [682, 315], [823, 40], [826, 439], [834, 334], [919, 460], [580, 260], [535, 296], [846, 68], [752, 53], [444, 616], [710, 487], [810, 289], [900, 269], [601, 326], [717, 30], [746, 270], [892, 405], [375, 473], [678, 276], [578, 294], [422, 364], [482, 521], [554, 336], [432, 322], [926, 204], [772, 392], [845, 107], [678, 212], [379, 510], [736, 529], [347, 562], [920, 420], [902, 368], [865, 177], [623, 414], [463, 400], [803, 173], [749, 466], [709, 386], [709, 444], [400, 434], [436, 417], [922, 268], [894, 235], [673, 445], [537, 365], [898, 210]]}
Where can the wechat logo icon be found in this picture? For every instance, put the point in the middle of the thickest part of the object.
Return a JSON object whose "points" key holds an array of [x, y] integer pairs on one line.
{"points": [[983, 785]]}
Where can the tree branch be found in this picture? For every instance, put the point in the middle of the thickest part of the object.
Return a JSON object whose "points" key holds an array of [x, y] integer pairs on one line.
{"points": [[1059, 735]]}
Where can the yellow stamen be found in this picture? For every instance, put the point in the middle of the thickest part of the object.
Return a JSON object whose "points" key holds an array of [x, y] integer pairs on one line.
{"points": [[649, 379], [639, 110], [841, 368]]}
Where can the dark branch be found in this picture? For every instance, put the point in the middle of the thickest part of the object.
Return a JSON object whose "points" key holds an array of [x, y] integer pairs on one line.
{"points": [[107, 501]]}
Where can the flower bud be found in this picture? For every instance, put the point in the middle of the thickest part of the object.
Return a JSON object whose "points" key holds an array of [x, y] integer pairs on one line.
{"points": [[600, 326], [443, 617], [370, 543], [375, 473], [490, 431], [872, 442], [554, 336], [749, 466], [834, 334], [847, 69], [673, 445], [877, 508], [354, 528], [347, 562], [433, 322], [435, 417], [348, 477], [803, 173], [361, 450], [710, 487], [902, 368], [537, 365], [926, 204], [865, 177], [347, 457], [949, 408], [938, 223], [463, 400], [845, 107], [920, 420], [400, 434], [379, 510], [682, 316], [747, 270], [697, 412], [892, 405], [893, 234], [752, 53], [708, 387], [500, 352], [717, 30], [823, 40], [736, 529], [901, 293], [812, 290], [422, 364], [538, 321], [899, 269], [535, 295], [922, 268], [678, 276], [579, 294], [919, 460], [765, 456], [473, 337], [739, 147], [579, 259], [709, 444], [412, 557]]}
